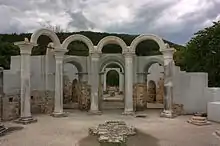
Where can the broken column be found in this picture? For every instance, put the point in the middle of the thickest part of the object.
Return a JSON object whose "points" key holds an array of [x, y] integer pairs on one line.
{"points": [[25, 52], [168, 81]]}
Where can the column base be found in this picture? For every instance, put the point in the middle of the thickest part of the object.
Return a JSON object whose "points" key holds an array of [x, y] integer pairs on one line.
{"points": [[59, 115], [94, 112], [3, 130], [168, 114], [25, 120], [128, 113]]}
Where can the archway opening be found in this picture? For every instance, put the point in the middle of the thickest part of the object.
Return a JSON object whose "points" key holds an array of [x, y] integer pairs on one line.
{"points": [[42, 46], [147, 48], [78, 48], [155, 84], [112, 86], [71, 87], [112, 78], [111, 49]]}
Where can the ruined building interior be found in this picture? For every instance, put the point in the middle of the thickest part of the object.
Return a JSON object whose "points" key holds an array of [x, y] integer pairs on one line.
{"points": [[55, 81]]}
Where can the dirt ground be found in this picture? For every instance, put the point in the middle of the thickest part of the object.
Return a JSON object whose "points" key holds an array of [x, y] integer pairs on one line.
{"points": [[73, 131]]}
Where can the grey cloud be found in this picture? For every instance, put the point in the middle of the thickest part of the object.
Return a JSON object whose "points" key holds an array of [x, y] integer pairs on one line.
{"points": [[80, 21], [179, 33], [145, 19]]}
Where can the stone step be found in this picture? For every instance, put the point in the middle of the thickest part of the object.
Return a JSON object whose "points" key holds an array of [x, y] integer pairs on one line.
{"points": [[112, 105], [3, 129]]}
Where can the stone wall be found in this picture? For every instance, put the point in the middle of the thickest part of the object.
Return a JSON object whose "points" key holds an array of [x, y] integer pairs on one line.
{"points": [[41, 102], [11, 107], [84, 100], [139, 96]]}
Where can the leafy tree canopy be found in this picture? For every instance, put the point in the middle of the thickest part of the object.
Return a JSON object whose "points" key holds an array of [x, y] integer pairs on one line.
{"points": [[202, 53]]}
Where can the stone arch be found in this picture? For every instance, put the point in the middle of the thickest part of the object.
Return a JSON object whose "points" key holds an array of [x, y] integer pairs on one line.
{"points": [[151, 61], [76, 62], [78, 37], [110, 69], [141, 38], [112, 40], [110, 60], [47, 32]]}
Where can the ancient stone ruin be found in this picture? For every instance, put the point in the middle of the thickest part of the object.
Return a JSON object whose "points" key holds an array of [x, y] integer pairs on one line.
{"points": [[199, 120], [112, 133]]}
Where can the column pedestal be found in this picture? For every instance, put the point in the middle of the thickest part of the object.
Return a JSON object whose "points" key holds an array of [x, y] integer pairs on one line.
{"points": [[167, 114], [59, 115], [25, 120]]}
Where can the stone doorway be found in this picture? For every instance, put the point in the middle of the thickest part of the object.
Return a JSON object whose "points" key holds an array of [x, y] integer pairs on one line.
{"points": [[155, 86], [111, 88]]}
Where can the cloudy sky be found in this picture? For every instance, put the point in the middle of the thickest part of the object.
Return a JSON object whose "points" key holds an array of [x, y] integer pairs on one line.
{"points": [[174, 20]]}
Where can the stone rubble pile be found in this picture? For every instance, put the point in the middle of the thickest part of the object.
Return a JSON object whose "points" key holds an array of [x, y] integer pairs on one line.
{"points": [[178, 109], [198, 120], [112, 133]]}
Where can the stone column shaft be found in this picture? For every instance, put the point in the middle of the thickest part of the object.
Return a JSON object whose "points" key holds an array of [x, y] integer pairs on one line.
{"points": [[25, 85], [25, 51], [58, 103], [128, 83], [168, 82], [104, 83], [94, 108], [121, 82]]}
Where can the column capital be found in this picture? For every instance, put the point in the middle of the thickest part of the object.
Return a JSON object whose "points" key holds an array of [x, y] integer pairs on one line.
{"points": [[168, 53], [129, 54], [95, 54], [25, 46], [59, 53]]}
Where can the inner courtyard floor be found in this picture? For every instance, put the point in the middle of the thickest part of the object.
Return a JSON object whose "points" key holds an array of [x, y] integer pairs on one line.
{"points": [[73, 131]]}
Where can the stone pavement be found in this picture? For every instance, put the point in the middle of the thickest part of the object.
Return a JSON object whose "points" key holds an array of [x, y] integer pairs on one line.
{"points": [[73, 131]]}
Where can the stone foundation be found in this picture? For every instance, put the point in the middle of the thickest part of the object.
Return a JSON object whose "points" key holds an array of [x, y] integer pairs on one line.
{"points": [[112, 133], [198, 121]]}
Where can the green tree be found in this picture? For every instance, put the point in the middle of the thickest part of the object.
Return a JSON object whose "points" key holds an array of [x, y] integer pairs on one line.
{"points": [[202, 53]]}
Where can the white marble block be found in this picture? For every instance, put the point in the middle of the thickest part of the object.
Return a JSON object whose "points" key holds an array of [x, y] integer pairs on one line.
{"points": [[214, 111]]}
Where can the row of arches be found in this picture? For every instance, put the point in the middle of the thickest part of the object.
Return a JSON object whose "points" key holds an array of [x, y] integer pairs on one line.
{"points": [[105, 41]]}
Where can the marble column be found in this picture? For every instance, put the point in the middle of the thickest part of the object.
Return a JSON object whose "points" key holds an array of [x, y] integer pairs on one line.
{"points": [[121, 82], [3, 129], [168, 82], [94, 107], [128, 83], [58, 102], [50, 61], [25, 52], [104, 81]]}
